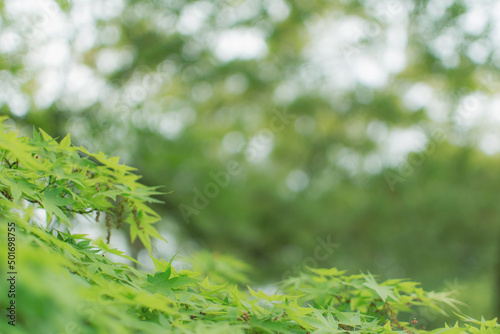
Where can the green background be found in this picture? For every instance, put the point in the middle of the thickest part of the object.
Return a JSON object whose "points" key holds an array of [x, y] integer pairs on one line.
{"points": [[389, 149]]}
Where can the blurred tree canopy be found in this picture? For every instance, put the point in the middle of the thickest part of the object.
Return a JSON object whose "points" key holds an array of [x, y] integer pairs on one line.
{"points": [[280, 125]]}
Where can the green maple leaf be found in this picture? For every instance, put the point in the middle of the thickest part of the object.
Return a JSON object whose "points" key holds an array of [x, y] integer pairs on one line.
{"points": [[381, 290], [52, 202]]}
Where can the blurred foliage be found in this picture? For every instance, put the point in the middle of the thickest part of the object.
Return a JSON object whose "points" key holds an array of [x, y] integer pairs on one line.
{"points": [[66, 284], [157, 84], [220, 268]]}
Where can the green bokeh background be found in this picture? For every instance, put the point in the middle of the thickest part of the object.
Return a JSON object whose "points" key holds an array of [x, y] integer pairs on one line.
{"points": [[162, 85]]}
